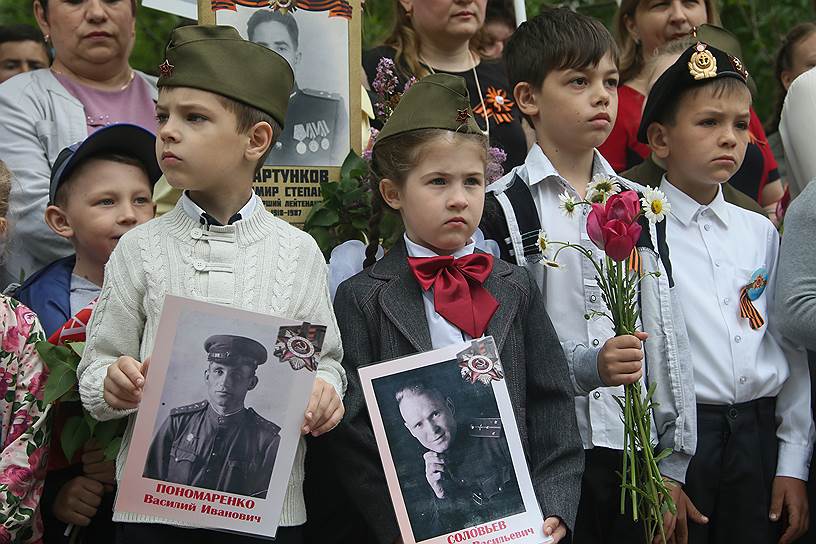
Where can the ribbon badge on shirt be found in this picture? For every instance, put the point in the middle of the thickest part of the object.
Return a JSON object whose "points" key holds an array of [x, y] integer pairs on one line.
{"points": [[299, 345], [480, 362], [751, 292]]}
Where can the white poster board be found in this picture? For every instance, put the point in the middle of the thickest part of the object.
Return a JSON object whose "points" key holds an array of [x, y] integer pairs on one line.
{"points": [[220, 419]]}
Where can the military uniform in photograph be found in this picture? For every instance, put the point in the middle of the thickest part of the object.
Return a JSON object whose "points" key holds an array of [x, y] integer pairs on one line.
{"points": [[199, 447], [481, 483], [315, 121]]}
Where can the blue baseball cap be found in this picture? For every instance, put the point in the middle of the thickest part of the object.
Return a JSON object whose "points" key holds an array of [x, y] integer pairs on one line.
{"points": [[122, 139]]}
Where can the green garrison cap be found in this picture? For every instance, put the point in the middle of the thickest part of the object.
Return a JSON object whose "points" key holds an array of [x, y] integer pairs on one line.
{"points": [[435, 101], [217, 59], [699, 64], [228, 349], [723, 40]]}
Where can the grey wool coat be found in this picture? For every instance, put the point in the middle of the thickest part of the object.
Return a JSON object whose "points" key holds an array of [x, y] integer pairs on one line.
{"points": [[381, 316]]}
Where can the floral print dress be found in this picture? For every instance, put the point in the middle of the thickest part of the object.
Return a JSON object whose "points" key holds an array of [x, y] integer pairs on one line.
{"points": [[24, 432]]}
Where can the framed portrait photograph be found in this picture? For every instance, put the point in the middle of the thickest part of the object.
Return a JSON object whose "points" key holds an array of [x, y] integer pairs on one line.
{"points": [[321, 42], [219, 423], [450, 447]]}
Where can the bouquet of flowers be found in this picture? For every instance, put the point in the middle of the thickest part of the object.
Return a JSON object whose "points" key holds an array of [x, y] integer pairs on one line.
{"points": [[614, 226]]}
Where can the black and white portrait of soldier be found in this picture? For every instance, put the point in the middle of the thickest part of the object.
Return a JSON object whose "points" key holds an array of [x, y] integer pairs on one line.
{"points": [[467, 472], [315, 132], [219, 443]]}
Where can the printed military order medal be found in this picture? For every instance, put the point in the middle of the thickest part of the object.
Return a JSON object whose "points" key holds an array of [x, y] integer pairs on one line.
{"points": [[296, 346], [480, 368], [480, 362]]}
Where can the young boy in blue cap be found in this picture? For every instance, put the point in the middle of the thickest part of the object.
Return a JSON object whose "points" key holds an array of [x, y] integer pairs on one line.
{"points": [[100, 189], [752, 387], [222, 103]]}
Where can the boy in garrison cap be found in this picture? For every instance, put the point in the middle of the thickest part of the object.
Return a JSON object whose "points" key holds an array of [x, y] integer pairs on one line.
{"points": [[754, 424], [222, 102], [202, 444]]}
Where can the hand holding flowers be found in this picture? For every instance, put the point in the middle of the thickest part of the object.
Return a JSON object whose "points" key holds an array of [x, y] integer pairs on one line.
{"points": [[615, 226]]}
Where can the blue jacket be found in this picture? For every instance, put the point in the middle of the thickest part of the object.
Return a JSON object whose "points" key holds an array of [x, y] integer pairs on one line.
{"points": [[48, 293]]}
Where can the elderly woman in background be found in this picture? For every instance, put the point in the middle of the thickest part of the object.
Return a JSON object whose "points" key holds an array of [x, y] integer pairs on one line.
{"points": [[90, 85]]}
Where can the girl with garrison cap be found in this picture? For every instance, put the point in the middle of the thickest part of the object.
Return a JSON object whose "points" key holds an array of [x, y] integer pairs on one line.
{"points": [[429, 164]]}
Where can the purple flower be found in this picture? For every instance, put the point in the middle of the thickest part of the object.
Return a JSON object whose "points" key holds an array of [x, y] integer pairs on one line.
{"points": [[385, 83], [494, 169], [409, 84]]}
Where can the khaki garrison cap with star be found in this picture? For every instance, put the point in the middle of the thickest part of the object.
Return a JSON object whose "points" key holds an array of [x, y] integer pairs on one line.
{"points": [[217, 59], [438, 101]]}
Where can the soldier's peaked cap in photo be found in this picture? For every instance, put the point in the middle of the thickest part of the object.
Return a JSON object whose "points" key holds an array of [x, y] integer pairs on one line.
{"points": [[217, 59], [229, 349], [699, 64], [435, 101]]}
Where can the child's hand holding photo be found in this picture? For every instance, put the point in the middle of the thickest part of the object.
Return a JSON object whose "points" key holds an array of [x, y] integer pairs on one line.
{"points": [[325, 409], [124, 383]]}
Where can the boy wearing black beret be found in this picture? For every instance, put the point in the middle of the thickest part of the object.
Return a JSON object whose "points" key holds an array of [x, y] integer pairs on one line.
{"points": [[754, 424], [222, 103]]}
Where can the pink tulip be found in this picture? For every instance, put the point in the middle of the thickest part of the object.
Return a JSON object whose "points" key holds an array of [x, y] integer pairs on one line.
{"points": [[613, 227], [595, 222], [624, 206], [620, 239]]}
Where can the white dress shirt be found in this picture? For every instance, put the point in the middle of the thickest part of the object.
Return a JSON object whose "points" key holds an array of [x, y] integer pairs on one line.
{"points": [[443, 332], [796, 129], [715, 249], [572, 292]]}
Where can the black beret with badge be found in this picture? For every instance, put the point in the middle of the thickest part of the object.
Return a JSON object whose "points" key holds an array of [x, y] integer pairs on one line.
{"points": [[722, 39], [232, 350], [438, 101], [699, 64], [217, 59]]}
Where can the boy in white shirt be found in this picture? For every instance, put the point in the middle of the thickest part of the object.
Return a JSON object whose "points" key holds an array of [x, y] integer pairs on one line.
{"points": [[563, 67], [755, 429]]}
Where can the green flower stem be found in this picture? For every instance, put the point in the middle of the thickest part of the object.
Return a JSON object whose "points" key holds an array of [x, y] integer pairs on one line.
{"points": [[642, 486]]}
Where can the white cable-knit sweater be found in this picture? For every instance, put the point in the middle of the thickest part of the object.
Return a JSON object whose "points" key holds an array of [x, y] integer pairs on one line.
{"points": [[260, 263]]}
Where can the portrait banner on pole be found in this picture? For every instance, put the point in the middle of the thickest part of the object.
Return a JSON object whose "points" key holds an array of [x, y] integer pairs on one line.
{"points": [[321, 40], [451, 450], [220, 419]]}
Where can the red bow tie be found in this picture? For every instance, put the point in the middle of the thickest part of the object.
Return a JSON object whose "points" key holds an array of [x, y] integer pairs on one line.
{"points": [[458, 293]]}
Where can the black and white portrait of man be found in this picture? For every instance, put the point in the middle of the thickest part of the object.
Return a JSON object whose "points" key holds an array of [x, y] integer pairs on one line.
{"points": [[457, 469], [315, 132], [219, 443]]}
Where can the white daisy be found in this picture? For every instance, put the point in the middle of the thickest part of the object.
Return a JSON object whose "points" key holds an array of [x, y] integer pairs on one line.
{"points": [[543, 243], [601, 188], [655, 205], [567, 204]]}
